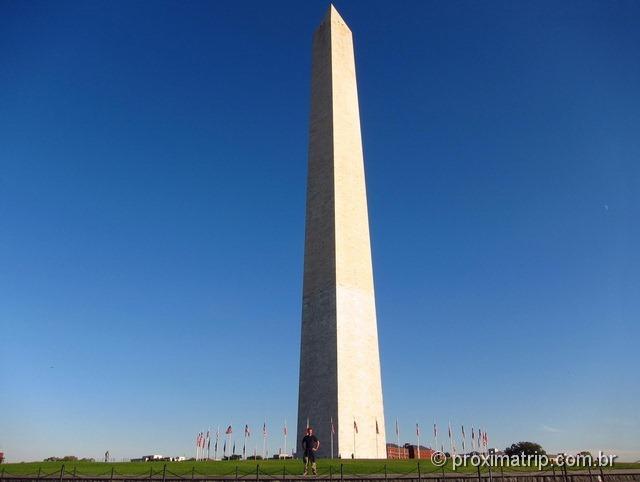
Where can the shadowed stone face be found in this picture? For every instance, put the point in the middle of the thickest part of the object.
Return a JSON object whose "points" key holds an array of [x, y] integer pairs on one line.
{"points": [[339, 359]]}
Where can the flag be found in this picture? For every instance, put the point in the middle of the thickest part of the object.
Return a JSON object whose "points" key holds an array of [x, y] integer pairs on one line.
{"points": [[463, 432], [417, 430], [377, 429], [264, 429], [435, 430], [234, 448], [397, 429], [247, 432], [333, 429], [224, 447], [285, 430], [473, 435], [355, 426], [449, 430], [229, 430]]}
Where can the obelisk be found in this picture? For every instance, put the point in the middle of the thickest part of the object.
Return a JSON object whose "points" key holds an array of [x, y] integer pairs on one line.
{"points": [[339, 356]]}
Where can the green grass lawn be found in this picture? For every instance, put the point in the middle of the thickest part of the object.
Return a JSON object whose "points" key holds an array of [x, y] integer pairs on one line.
{"points": [[244, 468]]}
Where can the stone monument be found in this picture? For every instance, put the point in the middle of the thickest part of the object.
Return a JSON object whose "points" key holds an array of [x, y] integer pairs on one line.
{"points": [[340, 384]]}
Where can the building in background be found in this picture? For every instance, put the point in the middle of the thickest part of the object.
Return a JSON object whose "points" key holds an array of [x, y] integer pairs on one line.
{"points": [[395, 452]]}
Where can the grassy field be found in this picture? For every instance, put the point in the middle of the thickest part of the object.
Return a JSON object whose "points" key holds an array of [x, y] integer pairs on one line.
{"points": [[244, 468]]}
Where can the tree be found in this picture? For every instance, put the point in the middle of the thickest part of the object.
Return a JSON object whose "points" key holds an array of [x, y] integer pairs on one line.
{"points": [[526, 448]]}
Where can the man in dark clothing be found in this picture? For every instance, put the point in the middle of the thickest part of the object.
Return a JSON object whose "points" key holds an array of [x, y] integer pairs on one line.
{"points": [[310, 444]]}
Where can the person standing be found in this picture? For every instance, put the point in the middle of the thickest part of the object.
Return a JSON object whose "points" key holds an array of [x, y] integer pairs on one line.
{"points": [[310, 444]]}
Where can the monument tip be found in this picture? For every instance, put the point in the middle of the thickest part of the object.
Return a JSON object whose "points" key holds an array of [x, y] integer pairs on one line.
{"points": [[333, 15]]}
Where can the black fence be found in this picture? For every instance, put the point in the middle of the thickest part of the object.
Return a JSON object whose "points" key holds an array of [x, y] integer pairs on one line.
{"points": [[334, 474]]}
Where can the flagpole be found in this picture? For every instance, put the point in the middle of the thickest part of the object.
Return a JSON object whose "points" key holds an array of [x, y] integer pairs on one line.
{"points": [[215, 447], [354, 438], [435, 435], [332, 430], [398, 437], [377, 439]]}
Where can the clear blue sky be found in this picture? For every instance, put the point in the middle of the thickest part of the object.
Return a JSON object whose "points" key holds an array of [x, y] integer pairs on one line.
{"points": [[153, 160]]}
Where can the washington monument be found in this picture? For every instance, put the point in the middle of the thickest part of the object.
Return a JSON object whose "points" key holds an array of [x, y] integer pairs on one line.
{"points": [[339, 359]]}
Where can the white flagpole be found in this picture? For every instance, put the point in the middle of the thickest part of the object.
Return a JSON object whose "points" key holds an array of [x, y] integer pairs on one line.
{"points": [[398, 437], [332, 437], [285, 436], [354, 438], [264, 439], [435, 435]]}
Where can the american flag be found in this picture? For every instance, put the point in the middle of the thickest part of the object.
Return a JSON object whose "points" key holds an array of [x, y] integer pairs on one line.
{"points": [[377, 429], [285, 429], [397, 429], [417, 430], [355, 426], [435, 430], [229, 430], [333, 429], [247, 432], [264, 429]]}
